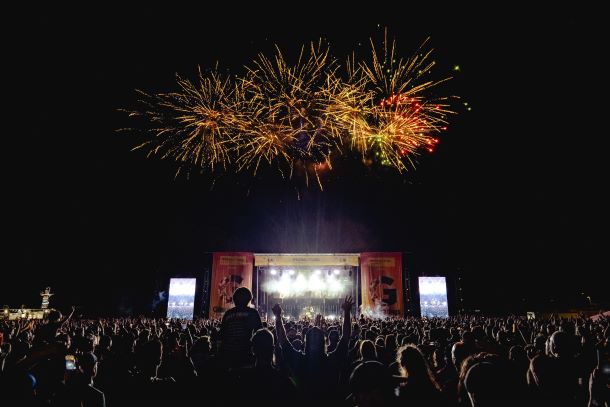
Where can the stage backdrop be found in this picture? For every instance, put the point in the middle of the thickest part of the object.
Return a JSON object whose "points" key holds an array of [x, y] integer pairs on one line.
{"points": [[381, 282], [229, 271]]}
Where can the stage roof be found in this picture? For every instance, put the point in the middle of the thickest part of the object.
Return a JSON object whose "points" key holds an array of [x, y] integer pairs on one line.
{"points": [[305, 259]]}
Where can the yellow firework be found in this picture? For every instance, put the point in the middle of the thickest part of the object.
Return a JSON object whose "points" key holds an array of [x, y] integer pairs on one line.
{"points": [[350, 106], [194, 126], [288, 111], [297, 117], [403, 121]]}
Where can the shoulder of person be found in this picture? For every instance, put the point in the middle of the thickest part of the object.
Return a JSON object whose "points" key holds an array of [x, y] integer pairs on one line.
{"points": [[163, 380], [95, 391]]}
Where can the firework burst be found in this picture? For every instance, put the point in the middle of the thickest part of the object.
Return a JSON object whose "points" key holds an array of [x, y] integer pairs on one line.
{"points": [[289, 121], [296, 117], [403, 121], [350, 104], [194, 126]]}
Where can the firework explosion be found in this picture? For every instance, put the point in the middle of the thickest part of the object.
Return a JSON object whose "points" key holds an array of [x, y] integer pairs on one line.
{"points": [[288, 123], [194, 126], [298, 117], [403, 121]]}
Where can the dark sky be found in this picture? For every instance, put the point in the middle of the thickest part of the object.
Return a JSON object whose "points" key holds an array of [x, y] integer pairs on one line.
{"points": [[512, 200]]}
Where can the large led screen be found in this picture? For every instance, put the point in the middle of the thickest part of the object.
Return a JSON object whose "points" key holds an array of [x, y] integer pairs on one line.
{"points": [[181, 298], [433, 297]]}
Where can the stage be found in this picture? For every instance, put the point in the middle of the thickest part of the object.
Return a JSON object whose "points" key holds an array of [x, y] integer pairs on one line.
{"points": [[305, 285]]}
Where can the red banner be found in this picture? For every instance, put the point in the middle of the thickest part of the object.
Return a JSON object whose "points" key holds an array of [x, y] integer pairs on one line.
{"points": [[229, 271], [381, 282]]}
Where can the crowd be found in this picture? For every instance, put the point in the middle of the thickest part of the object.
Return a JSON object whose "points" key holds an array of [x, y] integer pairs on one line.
{"points": [[351, 361]]}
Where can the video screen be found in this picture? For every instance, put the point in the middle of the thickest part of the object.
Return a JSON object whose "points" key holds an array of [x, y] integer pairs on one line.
{"points": [[181, 298], [433, 297]]}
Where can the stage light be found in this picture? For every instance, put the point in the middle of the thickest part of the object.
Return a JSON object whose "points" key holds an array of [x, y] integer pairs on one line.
{"points": [[300, 284], [283, 286], [334, 286], [316, 283], [273, 271], [331, 317], [293, 284]]}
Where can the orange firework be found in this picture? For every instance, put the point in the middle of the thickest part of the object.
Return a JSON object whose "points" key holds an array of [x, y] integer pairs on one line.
{"points": [[288, 121], [297, 117], [194, 126], [403, 121]]}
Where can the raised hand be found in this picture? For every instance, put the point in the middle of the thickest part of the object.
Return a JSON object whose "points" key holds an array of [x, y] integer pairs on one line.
{"points": [[347, 304], [277, 310]]}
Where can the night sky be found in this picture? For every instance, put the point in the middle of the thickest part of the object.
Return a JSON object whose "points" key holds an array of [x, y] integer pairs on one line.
{"points": [[512, 201]]}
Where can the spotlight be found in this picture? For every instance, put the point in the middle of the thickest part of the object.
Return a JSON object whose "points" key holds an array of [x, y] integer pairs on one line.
{"points": [[273, 271], [291, 272], [336, 271], [317, 271], [300, 284]]}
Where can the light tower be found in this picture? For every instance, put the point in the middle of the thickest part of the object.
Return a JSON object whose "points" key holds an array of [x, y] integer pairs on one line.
{"points": [[46, 294]]}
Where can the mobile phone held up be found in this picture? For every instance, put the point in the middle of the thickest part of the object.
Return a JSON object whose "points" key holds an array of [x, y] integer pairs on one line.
{"points": [[70, 362]]}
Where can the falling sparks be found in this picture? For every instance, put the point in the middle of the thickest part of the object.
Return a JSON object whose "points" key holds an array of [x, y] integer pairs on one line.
{"points": [[298, 117], [194, 126], [288, 122], [403, 121]]}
